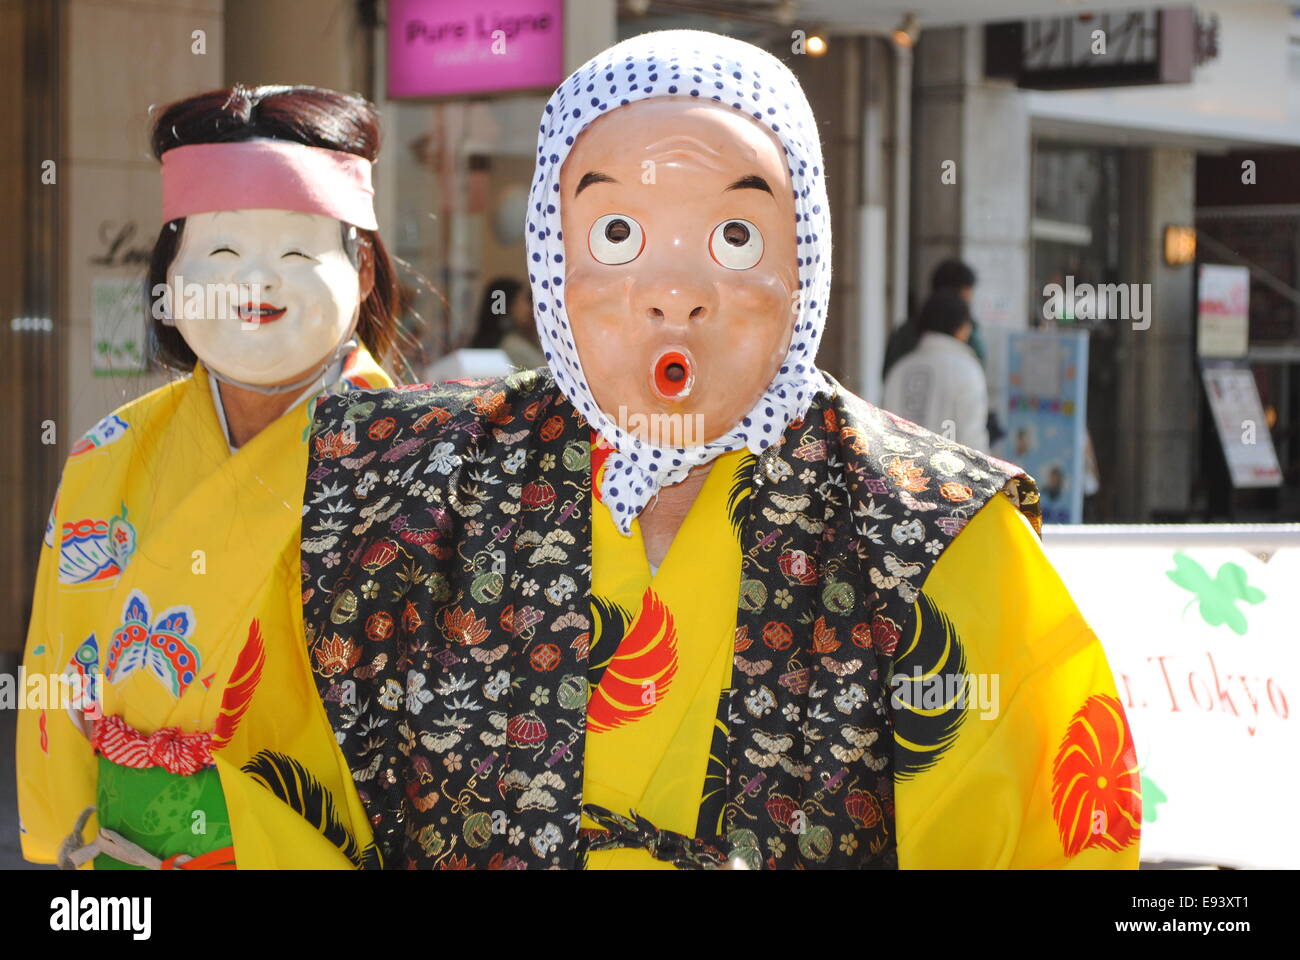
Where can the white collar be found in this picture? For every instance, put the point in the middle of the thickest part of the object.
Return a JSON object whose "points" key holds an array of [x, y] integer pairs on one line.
{"points": [[333, 376], [944, 341]]}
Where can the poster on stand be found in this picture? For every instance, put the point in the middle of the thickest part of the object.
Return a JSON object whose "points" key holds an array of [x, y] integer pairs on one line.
{"points": [[1240, 423], [1039, 388]]}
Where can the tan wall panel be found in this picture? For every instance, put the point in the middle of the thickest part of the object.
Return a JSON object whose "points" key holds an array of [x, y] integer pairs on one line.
{"points": [[19, 445], [122, 57], [105, 62], [295, 41]]}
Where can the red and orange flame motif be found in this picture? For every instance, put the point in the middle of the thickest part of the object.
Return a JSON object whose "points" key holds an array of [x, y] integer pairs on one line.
{"points": [[646, 660], [1096, 788], [598, 457], [244, 678]]}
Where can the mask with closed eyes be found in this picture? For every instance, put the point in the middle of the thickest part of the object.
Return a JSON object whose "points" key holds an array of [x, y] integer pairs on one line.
{"points": [[308, 291]]}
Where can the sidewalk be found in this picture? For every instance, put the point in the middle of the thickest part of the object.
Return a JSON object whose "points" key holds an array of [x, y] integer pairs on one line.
{"points": [[10, 858]]}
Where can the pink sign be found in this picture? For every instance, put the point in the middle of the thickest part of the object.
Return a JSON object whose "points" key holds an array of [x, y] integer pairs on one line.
{"points": [[442, 47]]}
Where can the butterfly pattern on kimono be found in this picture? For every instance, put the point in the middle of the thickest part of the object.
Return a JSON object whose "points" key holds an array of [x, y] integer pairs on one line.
{"points": [[161, 648], [95, 552], [109, 430], [83, 669], [48, 539]]}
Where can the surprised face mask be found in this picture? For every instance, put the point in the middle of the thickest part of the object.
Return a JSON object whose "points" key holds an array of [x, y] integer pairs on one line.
{"points": [[678, 220], [679, 254]]}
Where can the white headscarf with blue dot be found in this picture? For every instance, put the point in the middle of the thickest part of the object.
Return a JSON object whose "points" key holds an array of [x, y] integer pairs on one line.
{"points": [[696, 64]]}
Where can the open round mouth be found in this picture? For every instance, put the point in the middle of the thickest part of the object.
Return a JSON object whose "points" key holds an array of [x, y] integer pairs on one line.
{"points": [[674, 375]]}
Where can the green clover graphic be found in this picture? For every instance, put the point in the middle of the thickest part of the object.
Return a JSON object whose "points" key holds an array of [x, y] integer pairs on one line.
{"points": [[1152, 797], [1218, 597]]}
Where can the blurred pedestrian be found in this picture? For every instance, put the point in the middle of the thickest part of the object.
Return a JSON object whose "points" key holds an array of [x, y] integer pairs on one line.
{"points": [[505, 337], [505, 322], [951, 274], [940, 383]]}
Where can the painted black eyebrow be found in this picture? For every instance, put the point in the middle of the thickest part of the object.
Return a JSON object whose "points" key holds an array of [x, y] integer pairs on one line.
{"points": [[593, 176], [753, 182]]}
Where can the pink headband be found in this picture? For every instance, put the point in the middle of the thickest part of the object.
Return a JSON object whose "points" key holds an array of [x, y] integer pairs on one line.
{"points": [[267, 175]]}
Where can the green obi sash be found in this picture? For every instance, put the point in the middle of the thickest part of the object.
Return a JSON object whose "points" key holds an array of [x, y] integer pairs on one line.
{"points": [[162, 812]]}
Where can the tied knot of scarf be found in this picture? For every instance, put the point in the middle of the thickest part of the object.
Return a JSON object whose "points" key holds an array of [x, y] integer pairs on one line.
{"points": [[177, 752], [637, 831]]}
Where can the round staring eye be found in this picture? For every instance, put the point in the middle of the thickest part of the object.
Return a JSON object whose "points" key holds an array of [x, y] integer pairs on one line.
{"points": [[736, 244], [615, 238]]}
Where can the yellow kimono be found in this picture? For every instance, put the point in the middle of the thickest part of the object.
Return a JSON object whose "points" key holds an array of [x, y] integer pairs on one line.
{"points": [[169, 591], [1039, 774], [650, 717]]}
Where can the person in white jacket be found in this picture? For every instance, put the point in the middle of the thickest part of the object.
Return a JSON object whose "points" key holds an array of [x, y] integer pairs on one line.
{"points": [[940, 384]]}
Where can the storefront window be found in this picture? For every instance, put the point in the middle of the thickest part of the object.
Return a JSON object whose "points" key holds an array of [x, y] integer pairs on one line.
{"points": [[1077, 239], [1268, 240], [463, 171], [1076, 221]]}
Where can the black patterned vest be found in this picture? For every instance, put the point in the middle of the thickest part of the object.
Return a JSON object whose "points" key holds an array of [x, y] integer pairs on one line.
{"points": [[431, 510]]}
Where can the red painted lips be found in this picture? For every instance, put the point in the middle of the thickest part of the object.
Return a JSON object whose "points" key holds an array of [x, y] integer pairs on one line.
{"points": [[260, 313]]}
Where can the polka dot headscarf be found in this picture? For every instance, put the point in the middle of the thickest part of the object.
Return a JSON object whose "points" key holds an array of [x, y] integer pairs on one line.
{"points": [[696, 64]]}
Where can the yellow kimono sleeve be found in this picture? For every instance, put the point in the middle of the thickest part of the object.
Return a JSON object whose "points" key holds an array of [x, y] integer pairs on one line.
{"points": [[1030, 763], [271, 835], [56, 764]]}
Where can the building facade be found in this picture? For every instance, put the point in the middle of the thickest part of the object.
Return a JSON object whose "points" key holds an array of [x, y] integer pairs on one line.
{"points": [[932, 151]]}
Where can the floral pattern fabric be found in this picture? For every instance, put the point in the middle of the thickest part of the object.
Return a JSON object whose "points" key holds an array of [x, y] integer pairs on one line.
{"points": [[447, 600]]}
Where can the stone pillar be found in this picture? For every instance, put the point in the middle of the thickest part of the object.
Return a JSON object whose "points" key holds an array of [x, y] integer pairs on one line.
{"points": [[1167, 391], [590, 26], [835, 86], [976, 131]]}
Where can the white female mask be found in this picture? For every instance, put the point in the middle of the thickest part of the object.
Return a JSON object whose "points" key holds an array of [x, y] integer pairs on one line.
{"points": [[292, 292]]}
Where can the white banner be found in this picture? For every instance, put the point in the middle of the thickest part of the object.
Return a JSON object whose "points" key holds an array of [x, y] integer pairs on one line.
{"points": [[1203, 645]]}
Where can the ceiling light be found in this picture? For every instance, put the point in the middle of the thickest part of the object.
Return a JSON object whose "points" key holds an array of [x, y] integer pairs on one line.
{"points": [[907, 32]]}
